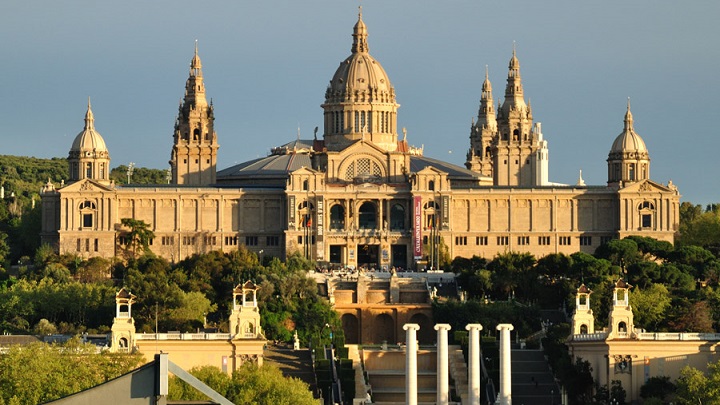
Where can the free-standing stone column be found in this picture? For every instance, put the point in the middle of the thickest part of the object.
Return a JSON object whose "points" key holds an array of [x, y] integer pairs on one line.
{"points": [[505, 394], [411, 363], [443, 388], [474, 363]]}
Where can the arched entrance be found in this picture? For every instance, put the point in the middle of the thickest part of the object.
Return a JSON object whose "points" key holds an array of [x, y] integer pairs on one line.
{"points": [[383, 329], [426, 334], [350, 327]]}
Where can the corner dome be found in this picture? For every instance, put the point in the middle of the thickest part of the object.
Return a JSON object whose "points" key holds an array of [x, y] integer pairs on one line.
{"points": [[629, 142], [89, 140]]}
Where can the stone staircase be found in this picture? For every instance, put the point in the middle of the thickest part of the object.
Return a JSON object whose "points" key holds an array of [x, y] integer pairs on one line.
{"points": [[293, 363], [532, 380]]}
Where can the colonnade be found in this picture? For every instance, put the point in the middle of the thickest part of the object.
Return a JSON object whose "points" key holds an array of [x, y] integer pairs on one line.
{"points": [[443, 390]]}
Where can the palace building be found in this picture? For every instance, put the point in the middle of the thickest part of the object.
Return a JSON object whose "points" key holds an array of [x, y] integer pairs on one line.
{"points": [[359, 194]]}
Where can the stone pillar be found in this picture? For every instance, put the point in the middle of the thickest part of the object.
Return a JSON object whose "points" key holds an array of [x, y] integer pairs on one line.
{"points": [[411, 363], [505, 391], [443, 385], [474, 363]]}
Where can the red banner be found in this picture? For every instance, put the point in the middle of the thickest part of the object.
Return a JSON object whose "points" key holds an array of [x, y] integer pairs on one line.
{"points": [[417, 227]]}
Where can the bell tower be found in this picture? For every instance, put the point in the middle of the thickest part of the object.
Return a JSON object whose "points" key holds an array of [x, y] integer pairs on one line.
{"points": [[482, 133], [123, 327], [621, 315], [515, 148], [245, 315], [193, 160], [583, 321]]}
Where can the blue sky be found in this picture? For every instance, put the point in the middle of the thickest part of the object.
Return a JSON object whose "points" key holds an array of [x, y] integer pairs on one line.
{"points": [[267, 64]]}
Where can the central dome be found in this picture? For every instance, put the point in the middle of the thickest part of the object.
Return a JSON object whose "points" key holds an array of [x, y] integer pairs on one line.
{"points": [[359, 71], [360, 101]]}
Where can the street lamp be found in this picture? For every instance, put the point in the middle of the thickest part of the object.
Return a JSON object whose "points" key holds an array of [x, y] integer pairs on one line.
{"points": [[130, 169]]}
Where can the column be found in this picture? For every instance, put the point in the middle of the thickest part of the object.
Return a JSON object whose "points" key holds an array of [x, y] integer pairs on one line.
{"points": [[442, 363], [474, 363], [505, 391], [411, 363]]}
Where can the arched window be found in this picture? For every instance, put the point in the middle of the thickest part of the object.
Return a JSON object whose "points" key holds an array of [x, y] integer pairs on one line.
{"points": [[305, 185], [337, 217], [367, 216], [516, 134], [631, 172], [431, 185], [397, 218], [646, 210], [196, 134], [583, 329], [622, 327], [122, 342], [89, 171]]}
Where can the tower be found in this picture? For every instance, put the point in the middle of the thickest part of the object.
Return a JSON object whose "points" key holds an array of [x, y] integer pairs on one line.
{"points": [[123, 327], [621, 315], [628, 160], [583, 321], [245, 315], [89, 157], [483, 132], [360, 101], [514, 157], [193, 159]]}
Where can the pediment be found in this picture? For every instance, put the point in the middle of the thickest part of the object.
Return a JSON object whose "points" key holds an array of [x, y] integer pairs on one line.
{"points": [[362, 147], [305, 171], [432, 170], [86, 185], [648, 186]]}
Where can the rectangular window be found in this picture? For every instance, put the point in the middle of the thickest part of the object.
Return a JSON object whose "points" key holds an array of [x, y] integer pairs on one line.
{"points": [[231, 240], [503, 240], [79, 245], [251, 241], [167, 240], [585, 240], [543, 240], [87, 245], [96, 245], [188, 240], [605, 239], [461, 240], [209, 240], [481, 240], [564, 240], [87, 220], [272, 241], [523, 240], [646, 220]]}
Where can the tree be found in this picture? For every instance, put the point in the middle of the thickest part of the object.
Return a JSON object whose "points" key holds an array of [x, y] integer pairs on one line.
{"points": [[139, 235], [249, 384], [620, 252], [649, 305], [657, 387], [41, 372], [694, 387]]}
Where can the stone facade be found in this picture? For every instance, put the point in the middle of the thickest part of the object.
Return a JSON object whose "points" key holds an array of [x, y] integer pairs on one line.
{"points": [[226, 351], [361, 195], [621, 352]]}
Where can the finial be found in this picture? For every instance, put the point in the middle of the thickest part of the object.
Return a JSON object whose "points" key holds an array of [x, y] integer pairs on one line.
{"points": [[628, 107], [88, 102], [196, 47], [514, 47], [298, 133], [486, 72], [360, 12], [580, 181]]}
